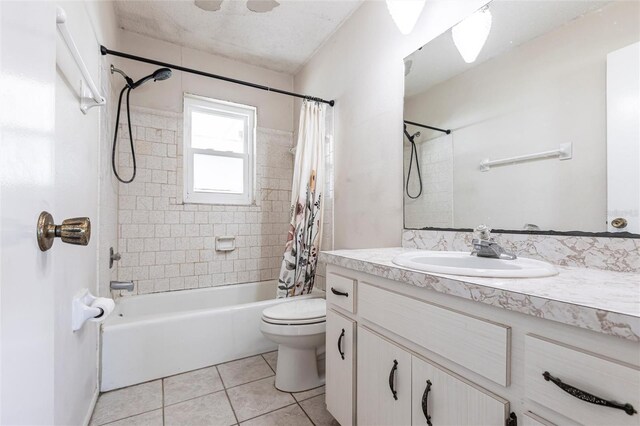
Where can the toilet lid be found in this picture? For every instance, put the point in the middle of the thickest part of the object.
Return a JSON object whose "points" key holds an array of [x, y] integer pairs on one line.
{"points": [[297, 311]]}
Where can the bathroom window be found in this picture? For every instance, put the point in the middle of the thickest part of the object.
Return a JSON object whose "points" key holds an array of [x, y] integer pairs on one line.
{"points": [[219, 164]]}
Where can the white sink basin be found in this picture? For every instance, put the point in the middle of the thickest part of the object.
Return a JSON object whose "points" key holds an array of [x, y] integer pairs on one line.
{"points": [[462, 263]]}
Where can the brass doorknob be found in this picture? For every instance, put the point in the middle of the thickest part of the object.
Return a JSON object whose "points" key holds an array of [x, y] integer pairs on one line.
{"points": [[76, 231], [619, 223]]}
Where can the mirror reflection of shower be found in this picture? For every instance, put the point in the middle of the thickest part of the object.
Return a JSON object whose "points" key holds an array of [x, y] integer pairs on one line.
{"points": [[158, 75], [414, 152]]}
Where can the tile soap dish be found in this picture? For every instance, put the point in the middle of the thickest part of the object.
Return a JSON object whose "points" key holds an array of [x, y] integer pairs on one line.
{"points": [[226, 243]]}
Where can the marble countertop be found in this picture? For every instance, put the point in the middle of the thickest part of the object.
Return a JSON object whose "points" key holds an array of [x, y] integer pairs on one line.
{"points": [[603, 301]]}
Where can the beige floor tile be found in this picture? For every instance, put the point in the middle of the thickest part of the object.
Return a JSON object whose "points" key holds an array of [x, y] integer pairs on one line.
{"points": [[272, 359], [127, 402], [245, 370], [152, 418], [209, 410], [288, 416], [190, 385], [317, 411], [301, 396], [256, 398]]}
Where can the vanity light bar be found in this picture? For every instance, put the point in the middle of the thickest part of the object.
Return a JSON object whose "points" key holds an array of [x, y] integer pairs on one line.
{"points": [[563, 153]]}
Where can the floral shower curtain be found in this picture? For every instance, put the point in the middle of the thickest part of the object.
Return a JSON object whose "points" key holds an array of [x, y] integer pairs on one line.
{"points": [[298, 269]]}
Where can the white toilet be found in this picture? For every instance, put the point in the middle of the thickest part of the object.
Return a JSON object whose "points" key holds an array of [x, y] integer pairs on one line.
{"points": [[298, 327]]}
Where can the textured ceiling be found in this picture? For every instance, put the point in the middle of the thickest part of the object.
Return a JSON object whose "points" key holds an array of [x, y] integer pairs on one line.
{"points": [[282, 39]]}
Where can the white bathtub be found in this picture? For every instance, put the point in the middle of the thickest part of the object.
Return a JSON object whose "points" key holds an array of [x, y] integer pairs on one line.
{"points": [[157, 335]]}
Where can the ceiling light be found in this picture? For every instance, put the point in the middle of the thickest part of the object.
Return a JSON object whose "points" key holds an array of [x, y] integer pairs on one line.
{"points": [[405, 13], [209, 5], [470, 35], [262, 6]]}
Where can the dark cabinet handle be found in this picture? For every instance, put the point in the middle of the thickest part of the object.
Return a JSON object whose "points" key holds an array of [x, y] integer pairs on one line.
{"points": [[392, 376], [339, 293], [425, 403], [340, 344], [587, 397]]}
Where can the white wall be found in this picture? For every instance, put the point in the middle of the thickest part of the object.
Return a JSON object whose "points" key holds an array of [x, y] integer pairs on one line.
{"points": [[361, 67], [274, 110], [79, 160], [549, 91]]}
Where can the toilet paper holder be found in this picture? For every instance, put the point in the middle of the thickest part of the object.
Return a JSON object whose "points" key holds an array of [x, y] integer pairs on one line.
{"points": [[83, 309]]}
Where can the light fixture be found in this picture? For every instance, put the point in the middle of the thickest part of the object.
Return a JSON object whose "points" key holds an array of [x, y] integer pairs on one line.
{"points": [[405, 13], [470, 35]]}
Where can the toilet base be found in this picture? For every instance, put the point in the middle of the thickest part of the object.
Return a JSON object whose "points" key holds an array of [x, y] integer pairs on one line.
{"points": [[297, 369]]}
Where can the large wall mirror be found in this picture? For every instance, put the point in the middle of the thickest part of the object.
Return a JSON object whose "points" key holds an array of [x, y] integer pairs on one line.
{"points": [[525, 116]]}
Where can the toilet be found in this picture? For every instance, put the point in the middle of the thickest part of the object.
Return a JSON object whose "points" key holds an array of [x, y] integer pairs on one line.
{"points": [[298, 327]]}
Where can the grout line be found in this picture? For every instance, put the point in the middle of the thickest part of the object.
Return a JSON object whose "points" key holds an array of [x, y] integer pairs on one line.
{"points": [[269, 412], [128, 417], [306, 414], [163, 399], [265, 360], [233, 410]]}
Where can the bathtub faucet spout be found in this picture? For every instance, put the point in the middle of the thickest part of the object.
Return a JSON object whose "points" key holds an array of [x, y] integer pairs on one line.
{"points": [[121, 285]]}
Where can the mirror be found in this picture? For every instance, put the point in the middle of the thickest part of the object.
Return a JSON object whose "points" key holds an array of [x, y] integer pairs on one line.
{"points": [[544, 123]]}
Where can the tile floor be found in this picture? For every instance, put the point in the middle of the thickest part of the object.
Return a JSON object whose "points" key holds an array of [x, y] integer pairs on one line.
{"points": [[237, 392]]}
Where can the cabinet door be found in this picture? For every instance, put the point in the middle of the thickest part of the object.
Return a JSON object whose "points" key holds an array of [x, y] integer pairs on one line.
{"points": [[384, 381], [340, 371], [447, 399]]}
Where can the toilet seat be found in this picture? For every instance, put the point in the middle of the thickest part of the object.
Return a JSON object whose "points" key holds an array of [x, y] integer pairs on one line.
{"points": [[297, 312]]}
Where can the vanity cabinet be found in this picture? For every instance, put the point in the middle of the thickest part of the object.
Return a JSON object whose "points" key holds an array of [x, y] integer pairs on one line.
{"points": [[401, 355], [384, 381], [340, 367]]}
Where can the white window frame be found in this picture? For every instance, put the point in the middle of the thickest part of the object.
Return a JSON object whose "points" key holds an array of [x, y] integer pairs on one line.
{"points": [[193, 103]]}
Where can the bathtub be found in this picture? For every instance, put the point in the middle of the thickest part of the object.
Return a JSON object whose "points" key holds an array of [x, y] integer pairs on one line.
{"points": [[157, 335]]}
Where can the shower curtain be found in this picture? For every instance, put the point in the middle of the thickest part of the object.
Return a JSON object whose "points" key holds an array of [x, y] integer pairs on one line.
{"points": [[298, 269]]}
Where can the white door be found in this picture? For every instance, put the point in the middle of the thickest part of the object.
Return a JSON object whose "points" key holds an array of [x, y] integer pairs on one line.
{"points": [[340, 347], [623, 138], [448, 400], [48, 161], [384, 382], [27, 148]]}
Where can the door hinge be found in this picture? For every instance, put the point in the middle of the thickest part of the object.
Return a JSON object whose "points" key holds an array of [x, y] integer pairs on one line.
{"points": [[512, 420]]}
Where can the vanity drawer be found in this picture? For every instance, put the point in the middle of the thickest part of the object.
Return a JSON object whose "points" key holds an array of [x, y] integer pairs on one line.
{"points": [[479, 345], [341, 292], [531, 419], [585, 372]]}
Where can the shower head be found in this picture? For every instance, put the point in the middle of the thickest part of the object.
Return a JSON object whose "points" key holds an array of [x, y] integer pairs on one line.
{"points": [[158, 75]]}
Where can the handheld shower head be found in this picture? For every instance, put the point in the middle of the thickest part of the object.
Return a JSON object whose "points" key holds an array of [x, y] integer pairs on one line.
{"points": [[158, 75]]}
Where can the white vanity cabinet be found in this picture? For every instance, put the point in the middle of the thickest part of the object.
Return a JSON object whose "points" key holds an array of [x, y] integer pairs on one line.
{"points": [[384, 381], [340, 367], [446, 399], [401, 355]]}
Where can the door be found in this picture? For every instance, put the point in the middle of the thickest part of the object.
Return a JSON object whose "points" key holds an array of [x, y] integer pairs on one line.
{"points": [[27, 146], [384, 381], [340, 359], [446, 399]]}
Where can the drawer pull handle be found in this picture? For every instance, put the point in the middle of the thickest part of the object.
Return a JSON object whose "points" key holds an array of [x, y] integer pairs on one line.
{"points": [[340, 344], [339, 293], [425, 403], [392, 376], [587, 397]]}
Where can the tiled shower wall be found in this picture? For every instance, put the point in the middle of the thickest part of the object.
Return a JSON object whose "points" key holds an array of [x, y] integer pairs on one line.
{"points": [[167, 245]]}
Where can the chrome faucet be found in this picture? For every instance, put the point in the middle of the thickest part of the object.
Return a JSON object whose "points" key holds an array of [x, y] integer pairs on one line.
{"points": [[121, 285], [486, 246]]}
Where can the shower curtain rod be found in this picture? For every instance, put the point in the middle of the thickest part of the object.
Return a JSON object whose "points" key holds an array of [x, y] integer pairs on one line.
{"points": [[447, 131], [106, 51]]}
